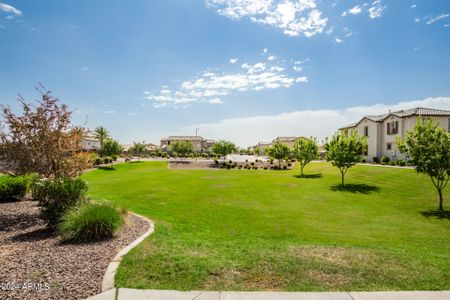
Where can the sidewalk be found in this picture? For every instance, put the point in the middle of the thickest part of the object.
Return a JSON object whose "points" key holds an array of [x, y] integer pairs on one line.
{"points": [[134, 294]]}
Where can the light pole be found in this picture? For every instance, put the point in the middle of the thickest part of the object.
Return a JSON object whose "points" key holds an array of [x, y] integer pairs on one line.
{"points": [[196, 141]]}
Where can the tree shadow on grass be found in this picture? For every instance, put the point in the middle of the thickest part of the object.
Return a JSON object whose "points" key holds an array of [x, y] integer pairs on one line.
{"points": [[106, 168], [310, 176], [438, 214], [360, 188]]}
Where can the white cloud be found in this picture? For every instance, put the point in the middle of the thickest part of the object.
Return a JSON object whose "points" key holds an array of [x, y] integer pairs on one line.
{"points": [[233, 60], [376, 9], [414, 6], [302, 79], [249, 131], [265, 50], [130, 113], [10, 9], [353, 11], [109, 112], [246, 77], [85, 68], [446, 25], [271, 58], [215, 101], [433, 19], [338, 40], [294, 17]]}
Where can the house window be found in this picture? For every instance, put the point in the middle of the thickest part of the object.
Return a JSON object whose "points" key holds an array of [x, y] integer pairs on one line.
{"points": [[389, 146], [366, 131], [392, 127]]}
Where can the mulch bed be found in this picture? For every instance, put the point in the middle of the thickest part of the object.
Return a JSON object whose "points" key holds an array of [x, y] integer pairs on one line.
{"points": [[34, 264], [209, 164]]}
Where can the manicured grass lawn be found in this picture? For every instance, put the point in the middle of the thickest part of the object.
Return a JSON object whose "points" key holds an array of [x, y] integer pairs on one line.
{"points": [[269, 230]]}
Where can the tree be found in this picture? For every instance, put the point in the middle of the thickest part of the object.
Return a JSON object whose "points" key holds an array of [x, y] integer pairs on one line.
{"points": [[223, 148], [344, 151], [111, 147], [305, 150], [278, 151], [41, 140], [182, 148], [428, 147], [138, 148], [101, 134]]}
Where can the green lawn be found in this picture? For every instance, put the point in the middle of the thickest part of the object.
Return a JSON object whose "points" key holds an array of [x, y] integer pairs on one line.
{"points": [[269, 230]]}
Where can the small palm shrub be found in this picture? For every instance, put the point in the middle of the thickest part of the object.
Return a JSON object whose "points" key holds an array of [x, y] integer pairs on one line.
{"points": [[385, 159], [90, 222], [14, 188], [114, 157], [376, 160], [57, 196]]}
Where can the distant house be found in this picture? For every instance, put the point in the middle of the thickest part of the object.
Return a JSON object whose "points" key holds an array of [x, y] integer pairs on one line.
{"points": [[286, 140], [90, 143], [151, 147], [199, 143], [262, 146], [382, 130]]}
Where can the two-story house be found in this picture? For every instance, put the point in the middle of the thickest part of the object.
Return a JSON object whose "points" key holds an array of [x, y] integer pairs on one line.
{"points": [[382, 130]]}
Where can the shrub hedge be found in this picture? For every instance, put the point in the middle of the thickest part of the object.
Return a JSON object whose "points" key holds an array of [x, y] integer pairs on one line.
{"points": [[56, 197], [14, 188]]}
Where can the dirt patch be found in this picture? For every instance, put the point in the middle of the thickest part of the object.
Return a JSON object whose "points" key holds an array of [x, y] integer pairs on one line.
{"points": [[337, 255], [30, 254]]}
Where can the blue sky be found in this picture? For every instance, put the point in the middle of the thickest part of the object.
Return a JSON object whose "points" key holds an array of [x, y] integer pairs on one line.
{"points": [[245, 70]]}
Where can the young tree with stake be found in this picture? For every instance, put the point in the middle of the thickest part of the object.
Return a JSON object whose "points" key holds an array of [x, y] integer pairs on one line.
{"points": [[428, 147], [305, 150], [344, 151]]}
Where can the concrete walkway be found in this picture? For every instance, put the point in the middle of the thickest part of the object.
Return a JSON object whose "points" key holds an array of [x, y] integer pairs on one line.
{"points": [[125, 294]]}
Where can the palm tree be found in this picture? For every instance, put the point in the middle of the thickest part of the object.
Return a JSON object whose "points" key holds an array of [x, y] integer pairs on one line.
{"points": [[101, 134]]}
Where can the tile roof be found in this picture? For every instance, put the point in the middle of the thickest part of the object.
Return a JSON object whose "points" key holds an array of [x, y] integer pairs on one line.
{"points": [[417, 111]]}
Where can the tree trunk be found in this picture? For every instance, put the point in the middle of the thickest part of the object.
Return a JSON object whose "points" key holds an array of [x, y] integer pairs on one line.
{"points": [[301, 170], [441, 206], [342, 178]]}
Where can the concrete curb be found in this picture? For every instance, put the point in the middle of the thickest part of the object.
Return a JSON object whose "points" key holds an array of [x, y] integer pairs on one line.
{"points": [[108, 277]]}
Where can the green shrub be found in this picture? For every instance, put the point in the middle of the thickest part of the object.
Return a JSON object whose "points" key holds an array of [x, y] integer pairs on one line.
{"points": [[14, 188], [216, 162], [376, 160], [252, 163], [115, 156], [284, 167], [98, 161], [56, 197], [363, 160], [401, 162], [228, 166], [89, 222], [385, 159]]}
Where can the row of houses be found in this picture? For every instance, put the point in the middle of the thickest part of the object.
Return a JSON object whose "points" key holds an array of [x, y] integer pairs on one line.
{"points": [[381, 132]]}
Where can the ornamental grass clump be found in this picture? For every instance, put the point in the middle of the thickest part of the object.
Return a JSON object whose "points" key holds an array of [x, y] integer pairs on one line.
{"points": [[90, 222]]}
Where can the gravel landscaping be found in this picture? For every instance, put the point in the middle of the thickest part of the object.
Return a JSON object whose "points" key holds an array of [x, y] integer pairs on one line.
{"points": [[36, 265]]}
